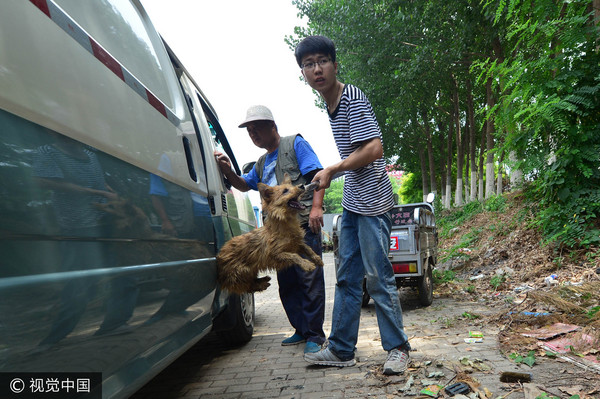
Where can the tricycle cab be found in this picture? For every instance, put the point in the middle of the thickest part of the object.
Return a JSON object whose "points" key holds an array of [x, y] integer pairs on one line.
{"points": [[413, 247]]}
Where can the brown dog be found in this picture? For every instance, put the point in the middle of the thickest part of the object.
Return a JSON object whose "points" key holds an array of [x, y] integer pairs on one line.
{"points": [[276, 245]]}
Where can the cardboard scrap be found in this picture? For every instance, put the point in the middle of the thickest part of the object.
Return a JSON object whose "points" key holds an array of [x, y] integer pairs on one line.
{"points": [[552, 331], [432, 390]]}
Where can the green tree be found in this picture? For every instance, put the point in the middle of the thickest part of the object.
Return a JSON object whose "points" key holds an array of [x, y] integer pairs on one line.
{"points": [[459, 83], [550, 107], [409, 190], [332, 202]]}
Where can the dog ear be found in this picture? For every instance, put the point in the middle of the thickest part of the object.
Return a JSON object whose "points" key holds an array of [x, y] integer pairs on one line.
{"points": [[286, 179], [265, 191]]}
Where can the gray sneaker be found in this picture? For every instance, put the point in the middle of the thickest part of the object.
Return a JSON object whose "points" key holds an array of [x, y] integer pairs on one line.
{"points": [[325, 357], [397, 362]]}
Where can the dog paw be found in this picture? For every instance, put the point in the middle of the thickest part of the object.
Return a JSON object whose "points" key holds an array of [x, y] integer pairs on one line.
{"points": [[307, 266], [260, 284]]}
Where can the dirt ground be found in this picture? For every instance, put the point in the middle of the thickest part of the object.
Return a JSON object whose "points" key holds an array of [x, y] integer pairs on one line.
{"points": [[496, 258]]}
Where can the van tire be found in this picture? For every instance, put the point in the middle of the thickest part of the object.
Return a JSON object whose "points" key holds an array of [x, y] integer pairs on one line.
{"points": [[241, 309], [425, 285]]}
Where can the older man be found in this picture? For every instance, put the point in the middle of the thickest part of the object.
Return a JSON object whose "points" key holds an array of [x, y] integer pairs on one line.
{"points": [[302, 293]]}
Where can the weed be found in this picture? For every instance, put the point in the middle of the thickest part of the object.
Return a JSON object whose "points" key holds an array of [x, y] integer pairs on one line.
{"points": [[593, 311], [458, 217], [466, 241], [443, 277], [528, 360], [497, 281], [446, 321], [496, 203], [558, 261], [470, 316], [470, 289]]}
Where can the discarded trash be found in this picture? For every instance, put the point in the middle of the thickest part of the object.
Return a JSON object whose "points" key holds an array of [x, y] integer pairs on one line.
{"points": [[513, 376], [552, 331], [436, 374], [522, 288], [564, 347], [534, 314], [432, 390], [475, 334], [479, 276], [473, 340], [551, 280], [408, 384], [458, 388]]}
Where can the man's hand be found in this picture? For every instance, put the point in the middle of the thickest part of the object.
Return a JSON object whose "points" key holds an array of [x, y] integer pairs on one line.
{"points": [[315, 219], [323, 178], [223, 162]]}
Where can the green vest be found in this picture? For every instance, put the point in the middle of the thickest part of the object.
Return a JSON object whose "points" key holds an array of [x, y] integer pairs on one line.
{"points": [[287, 163]]}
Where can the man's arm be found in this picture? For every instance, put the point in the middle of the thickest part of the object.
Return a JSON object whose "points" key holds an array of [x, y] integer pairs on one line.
{"points": [[369, 151], [225, 167], [315, 219]]}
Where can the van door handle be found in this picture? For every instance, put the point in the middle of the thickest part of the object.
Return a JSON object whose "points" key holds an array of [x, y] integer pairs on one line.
{"points": [[190, 161]]}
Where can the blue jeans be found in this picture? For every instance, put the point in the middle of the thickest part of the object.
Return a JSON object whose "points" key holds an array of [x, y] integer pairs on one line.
{"points": [[303, 294], [364, 244]]}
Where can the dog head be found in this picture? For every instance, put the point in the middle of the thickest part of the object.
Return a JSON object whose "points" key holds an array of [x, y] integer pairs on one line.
{"points": [[126, 219], [281, 201]]}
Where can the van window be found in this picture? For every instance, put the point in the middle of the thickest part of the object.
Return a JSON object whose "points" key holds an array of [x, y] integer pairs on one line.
{"points": [[122, 31]]}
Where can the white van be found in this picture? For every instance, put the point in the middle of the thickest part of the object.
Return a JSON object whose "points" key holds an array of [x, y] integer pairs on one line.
{"points": [[112, 207]]}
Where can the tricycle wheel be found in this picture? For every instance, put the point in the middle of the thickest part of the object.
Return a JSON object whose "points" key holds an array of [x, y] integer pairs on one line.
{"points": [[365, 297], [425, 284]]}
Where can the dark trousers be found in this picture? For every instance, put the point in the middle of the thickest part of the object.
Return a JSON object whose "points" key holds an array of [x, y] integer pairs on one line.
{"points": [[303, 294]]}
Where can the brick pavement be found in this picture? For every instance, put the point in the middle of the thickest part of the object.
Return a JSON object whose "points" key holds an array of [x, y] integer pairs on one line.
{"points": [[265, 369]]}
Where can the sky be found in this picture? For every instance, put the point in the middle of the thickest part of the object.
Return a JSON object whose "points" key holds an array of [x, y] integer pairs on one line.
{"points": [[236, 53]]}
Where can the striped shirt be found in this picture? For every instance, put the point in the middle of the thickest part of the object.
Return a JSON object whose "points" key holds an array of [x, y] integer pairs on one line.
{"points": [[367, 190], [73, 209]]}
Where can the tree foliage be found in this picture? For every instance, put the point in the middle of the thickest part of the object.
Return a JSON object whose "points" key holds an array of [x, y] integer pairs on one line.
{"points": [[447, 77]]}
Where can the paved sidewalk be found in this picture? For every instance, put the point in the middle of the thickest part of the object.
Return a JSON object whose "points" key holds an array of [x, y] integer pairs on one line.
{"points": [[265, 369]]}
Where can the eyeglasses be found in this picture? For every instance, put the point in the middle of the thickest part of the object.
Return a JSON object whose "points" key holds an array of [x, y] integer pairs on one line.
{"points": [[311, 65]]}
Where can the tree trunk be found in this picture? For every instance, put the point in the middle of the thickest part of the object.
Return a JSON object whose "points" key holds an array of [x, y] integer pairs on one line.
{"points": [[499, 180], [489, 173], [481, 151], [596, 6], [442, 163], [459, 145], [427, 128], [423, 172], [516, 175], [472, 144], [449, 168]]}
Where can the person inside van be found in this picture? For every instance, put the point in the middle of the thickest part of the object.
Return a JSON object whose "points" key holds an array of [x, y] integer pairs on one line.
{"points": [[302, 294]]}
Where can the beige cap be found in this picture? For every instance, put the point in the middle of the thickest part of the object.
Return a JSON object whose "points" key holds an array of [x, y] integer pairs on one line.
{"points": [[257, 113]]}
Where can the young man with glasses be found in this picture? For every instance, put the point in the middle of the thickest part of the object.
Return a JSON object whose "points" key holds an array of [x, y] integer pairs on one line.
{"points": [[366, 223], [302, 293]]}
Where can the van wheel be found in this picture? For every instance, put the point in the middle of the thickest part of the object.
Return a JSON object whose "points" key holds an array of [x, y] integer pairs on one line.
{"points": [[241, 308], [425, 285], [365, 297]]}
